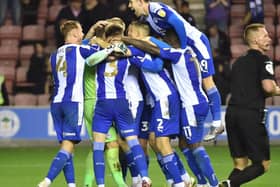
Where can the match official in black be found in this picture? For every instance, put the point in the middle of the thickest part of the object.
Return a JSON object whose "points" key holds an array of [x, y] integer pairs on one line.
{"points": [[251, 81]]}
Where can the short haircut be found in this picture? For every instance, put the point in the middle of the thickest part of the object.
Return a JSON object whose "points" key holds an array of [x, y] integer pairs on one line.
{"points": [[113, 30], [67, 26], [116, 20], [250, 29], [144, 27]]}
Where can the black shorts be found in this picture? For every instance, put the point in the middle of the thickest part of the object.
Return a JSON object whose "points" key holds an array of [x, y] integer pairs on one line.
{"points": [[247, 134]]}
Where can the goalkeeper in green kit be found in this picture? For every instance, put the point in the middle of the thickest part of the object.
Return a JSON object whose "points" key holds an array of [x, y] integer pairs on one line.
{"points": [[112, 147]]}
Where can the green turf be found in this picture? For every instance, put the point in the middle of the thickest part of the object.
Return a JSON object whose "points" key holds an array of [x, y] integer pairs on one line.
{"points": [[25, 167]]}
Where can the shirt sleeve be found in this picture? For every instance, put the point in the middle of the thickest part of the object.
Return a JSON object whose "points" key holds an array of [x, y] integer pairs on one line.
{"points": [[170, 54], [86, 51], [153, 65], [267, 68], [135, 51]]}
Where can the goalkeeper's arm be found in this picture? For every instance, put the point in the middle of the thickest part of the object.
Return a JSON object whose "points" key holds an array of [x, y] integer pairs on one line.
{"points": [[99, 56]]}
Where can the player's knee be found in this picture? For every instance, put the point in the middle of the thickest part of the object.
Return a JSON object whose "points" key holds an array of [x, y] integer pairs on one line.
{"points": [[266, 165], [113, 144]]}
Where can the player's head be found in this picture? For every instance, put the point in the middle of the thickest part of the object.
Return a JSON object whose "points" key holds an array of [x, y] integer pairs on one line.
{"points": [[116, 20], [171, 38], [256, 36], [138, 30], [72, 32], [139, 7], [114, 32]]}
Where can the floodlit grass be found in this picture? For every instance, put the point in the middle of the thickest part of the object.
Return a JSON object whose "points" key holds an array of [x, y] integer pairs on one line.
{"points": [[26, 166]]}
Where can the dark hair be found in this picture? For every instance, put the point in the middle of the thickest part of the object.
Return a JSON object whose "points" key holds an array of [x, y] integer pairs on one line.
{"points": [[113, 30]]}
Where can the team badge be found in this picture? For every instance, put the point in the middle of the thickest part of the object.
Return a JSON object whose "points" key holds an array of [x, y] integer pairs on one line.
{"points": [[269, 67], [161, 13]]}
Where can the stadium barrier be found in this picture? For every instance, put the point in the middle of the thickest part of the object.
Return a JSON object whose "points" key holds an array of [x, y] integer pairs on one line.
{"points": [[35, 124]]}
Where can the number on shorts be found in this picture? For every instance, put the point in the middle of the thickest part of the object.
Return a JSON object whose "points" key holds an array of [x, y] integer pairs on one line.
{"points": [[160, 126], [144, 127], [187, 132]]}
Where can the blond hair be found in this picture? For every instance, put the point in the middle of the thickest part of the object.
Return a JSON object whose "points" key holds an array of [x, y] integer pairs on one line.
{"points": [[67, 26], [250, 29], [145, 29]]}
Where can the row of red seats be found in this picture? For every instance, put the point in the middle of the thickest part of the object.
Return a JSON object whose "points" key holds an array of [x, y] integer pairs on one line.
{"points": [[27, 99]]}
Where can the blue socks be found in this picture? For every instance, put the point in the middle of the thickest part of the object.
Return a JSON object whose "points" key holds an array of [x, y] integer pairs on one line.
{"points": [[138, 157], [170, 164], [203, 161], [68, 170], [131, 164], [98, 161], [194, 166], [58, 164]]}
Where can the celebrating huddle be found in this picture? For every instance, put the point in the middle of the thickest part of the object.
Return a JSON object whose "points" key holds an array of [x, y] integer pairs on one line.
{"points": [[133, 90]]}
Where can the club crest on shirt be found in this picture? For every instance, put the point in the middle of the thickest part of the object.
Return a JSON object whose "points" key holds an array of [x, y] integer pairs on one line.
{"points": [[269, 67], [161, 13]]}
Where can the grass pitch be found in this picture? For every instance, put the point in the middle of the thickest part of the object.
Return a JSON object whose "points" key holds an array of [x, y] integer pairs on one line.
{"points": [[26, 166]]}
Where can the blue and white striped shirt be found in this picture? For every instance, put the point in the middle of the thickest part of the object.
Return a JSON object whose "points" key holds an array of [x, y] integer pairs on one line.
{"points": [[67, 64]]}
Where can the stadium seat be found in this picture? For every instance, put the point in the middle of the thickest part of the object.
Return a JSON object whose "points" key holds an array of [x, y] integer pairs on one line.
{"points": [[43, 99], [238, 49], [50, 32], [21, 83], [268, 101], [270, 53], [10, 32], [234, 41], [235, 31], [25, 53], [277, 53], [42, 14], [8, 71], [269, 20], [33, 33], [9, 53], [10, 42], [278, 31], [11, 63], [269, 9], [238, 10], [11, 99], [271, 31], [276, 100], [53, 12], [25, 99], [238, 1]]}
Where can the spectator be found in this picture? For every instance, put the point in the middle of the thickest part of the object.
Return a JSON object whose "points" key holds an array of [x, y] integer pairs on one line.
{"points": [[95, 10], [221, 56], [15, 11], [29, 11], [37, 72], [185, 13], [254, 12], [221, 76], [4, 99], [74, 11], [122, 11], [219, 41], [217, 12]]}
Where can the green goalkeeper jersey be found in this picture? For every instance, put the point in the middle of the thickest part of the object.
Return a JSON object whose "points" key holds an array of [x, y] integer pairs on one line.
{"points": [[89, 82]]}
